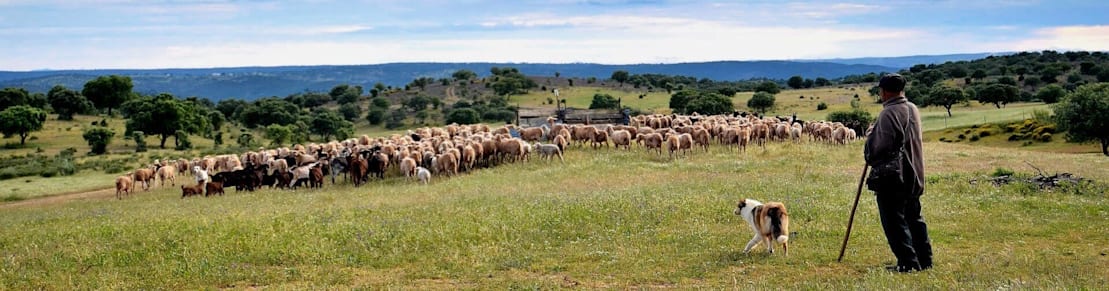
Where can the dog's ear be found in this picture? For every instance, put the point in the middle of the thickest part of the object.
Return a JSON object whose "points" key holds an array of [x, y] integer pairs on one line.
{"points": [[742, 203]]}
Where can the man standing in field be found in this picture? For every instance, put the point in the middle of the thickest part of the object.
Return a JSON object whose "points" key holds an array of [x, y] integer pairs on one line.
{"points": [[897, 135]]}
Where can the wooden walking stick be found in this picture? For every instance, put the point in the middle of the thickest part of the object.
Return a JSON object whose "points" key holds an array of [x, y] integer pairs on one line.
{"points": [[851, 220]]}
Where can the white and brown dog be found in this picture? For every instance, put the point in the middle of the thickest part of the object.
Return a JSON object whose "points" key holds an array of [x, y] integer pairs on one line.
{"points": [[769, 221]]}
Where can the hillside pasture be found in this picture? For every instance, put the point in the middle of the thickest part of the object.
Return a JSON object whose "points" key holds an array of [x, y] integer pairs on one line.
{"points": [[604, 219]]}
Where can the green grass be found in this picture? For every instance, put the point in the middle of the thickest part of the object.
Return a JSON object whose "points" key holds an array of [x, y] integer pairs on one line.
{"points": [[605, 219], [35, 186]]}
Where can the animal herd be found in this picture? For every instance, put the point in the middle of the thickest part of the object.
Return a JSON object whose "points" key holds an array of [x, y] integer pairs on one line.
{"points": [[452, 150]]}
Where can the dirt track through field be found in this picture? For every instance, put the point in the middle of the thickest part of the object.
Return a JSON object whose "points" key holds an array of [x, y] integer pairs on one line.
{"points": [[56, 199]]}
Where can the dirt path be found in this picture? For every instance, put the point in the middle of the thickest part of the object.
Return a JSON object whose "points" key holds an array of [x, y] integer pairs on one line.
{"points": [[63, 198]]}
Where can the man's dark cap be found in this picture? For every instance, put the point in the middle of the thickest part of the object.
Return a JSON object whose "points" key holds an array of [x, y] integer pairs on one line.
{"points": [[892, 83]]}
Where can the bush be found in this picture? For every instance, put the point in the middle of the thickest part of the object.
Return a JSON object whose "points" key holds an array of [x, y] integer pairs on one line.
{"points": [[98, 139], [1002, 172], [500, 115], [974, 137], [376, 116], [604, 101], [463, 116], [761, 101], [181, 138], [821, 106], [984, 133], [395, 119], [962, 136], [140, 141], [855, 119]]}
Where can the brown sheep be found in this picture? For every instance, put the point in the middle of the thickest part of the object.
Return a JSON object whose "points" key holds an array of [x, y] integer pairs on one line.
{"points": [[600, 138], [144, 176], [532, 134], [621, 138], [673, 144], [686, 142], [123, 186], [743, 137], [701, 136], [168, 172], [469, 155], [651, 141], [561, 142], [408, 167], [760, 133]]}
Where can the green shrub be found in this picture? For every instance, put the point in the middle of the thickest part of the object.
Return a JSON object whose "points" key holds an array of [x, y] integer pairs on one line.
{"points": [[1002, 172], [962, 137], [974, 137], [821, 106], [1045, 137], [984, 133]]}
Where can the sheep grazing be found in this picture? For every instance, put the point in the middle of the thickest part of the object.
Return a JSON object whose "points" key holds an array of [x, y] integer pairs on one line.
{"points": [[839, 136], [423, 174], [144, 176], [621, 138], [469, 156], [123, 185], [447, 163], [214, 188], [168, 172], [547, 151], [408, 167]]}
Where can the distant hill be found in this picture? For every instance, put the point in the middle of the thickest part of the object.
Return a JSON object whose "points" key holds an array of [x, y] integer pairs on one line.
{"points": [[908, 61], [256, 82]]}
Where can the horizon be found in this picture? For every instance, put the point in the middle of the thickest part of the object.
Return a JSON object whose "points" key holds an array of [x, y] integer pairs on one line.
{"points": [[139, 35]]}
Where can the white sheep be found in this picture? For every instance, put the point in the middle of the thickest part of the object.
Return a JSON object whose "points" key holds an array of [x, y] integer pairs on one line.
{"points": [[549, 150]]}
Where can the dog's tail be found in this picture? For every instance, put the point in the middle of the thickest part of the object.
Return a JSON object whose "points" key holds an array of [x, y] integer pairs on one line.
{"points": [[779, 222]]}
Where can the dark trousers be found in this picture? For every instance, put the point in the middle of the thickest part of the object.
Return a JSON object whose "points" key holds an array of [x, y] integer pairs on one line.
{"points": [[905, 230]]}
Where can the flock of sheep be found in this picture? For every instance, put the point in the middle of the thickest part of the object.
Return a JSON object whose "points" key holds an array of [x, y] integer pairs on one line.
{"points": [[454, 149]]}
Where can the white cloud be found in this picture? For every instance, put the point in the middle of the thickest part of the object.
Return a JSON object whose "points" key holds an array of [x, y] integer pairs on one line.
{"points": [[1091, 38]]}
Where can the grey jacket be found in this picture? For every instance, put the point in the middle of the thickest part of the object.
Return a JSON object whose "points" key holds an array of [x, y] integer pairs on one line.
{"points": [[898, 125]]}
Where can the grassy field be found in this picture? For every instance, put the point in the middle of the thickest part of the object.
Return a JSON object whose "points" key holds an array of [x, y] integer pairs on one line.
{"points": [[604, 219]]}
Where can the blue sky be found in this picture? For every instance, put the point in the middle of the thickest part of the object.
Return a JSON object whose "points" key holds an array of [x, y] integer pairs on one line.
{"points": [[87, 34]]}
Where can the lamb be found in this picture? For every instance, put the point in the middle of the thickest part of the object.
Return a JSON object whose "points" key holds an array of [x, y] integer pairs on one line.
{"points": [[123, 185], [621, 138], [549, 150], [315, 176], [423, 174]]}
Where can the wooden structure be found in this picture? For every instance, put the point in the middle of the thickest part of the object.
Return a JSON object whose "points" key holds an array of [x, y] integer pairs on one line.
{"points": [[538, 116]]}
